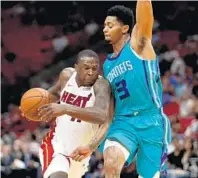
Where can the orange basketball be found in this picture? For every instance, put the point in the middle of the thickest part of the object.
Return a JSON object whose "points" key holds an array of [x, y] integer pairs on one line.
{"points": [[32, 100]]}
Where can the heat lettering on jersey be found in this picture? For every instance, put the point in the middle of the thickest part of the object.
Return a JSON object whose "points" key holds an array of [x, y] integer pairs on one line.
{"points": [[75, 100]]}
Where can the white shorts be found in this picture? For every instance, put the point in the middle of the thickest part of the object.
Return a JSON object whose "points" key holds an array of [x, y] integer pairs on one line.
{"points": [[109, 143], [61, 163]]}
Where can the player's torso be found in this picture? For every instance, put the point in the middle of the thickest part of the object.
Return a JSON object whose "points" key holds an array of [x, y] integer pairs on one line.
{"points": [[72, 132], [130, 79]]}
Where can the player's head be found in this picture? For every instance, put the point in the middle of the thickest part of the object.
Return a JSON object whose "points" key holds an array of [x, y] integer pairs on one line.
{"points": [[119, 21], [87, 67]]}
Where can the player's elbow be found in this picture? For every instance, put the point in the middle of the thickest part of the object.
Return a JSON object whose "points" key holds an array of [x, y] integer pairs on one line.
{"points": [[102, 117]]}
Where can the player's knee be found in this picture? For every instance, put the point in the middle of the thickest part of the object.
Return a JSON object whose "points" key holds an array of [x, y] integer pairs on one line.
{"points": [[111, 167], [59, 175], [113, 160]]}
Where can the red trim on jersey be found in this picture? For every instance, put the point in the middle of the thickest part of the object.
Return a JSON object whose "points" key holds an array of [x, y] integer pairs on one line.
{"points": [[47, 148]]}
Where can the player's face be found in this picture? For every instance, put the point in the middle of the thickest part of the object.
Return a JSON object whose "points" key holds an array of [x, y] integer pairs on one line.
{"points": [[88, 70], [114, 29]]}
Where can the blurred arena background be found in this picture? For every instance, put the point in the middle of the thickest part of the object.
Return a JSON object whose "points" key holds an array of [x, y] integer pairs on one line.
{"points": [[38, 39]]}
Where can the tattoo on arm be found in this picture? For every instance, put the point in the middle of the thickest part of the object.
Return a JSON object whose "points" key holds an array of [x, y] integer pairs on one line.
{"points": [[102, 91], [99, 136], [102, 130]]}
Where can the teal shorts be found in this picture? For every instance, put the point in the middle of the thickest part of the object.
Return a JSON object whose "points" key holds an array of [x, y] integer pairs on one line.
{"points": [[145, 137]]}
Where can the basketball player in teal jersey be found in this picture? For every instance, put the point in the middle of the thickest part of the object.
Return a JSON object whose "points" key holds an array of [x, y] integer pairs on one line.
{"points": [[139, 126]]}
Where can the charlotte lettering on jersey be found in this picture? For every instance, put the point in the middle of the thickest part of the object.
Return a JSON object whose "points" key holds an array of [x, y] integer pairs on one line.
{"points": [[119, 70], [75, 100]]}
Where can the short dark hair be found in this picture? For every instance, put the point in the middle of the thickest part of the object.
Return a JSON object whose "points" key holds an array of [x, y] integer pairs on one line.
{"points": [[87, 53], [123, 14]]}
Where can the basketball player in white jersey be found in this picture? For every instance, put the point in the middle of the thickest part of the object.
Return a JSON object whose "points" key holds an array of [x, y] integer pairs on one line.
{"points": [[84, 105]]}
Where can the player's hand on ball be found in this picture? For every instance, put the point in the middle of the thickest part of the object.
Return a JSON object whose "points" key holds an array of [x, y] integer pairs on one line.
{"points": [[50, 111], [81, 153], [22, 114]]}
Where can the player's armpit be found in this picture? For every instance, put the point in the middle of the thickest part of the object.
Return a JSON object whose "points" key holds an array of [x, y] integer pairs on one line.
{"points": [[144, 22], [56, 89]]}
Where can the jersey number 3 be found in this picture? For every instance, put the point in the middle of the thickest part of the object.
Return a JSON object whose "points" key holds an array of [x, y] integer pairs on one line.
{"points": [[121, 87]]}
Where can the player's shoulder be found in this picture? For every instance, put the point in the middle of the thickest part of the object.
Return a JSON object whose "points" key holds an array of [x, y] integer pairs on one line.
{"points": [[101, 83], [68, 70], [66, 73]]}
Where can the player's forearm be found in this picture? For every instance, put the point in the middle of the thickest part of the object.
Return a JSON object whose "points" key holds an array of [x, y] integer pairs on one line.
{"points": [[144, 12], [99, 136], [89, 114], [144, 15]]}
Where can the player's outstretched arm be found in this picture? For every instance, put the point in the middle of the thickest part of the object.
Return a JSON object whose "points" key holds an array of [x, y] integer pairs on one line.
{"points": [[97, 114], [144, 19], [142, 32], [83, 152]]}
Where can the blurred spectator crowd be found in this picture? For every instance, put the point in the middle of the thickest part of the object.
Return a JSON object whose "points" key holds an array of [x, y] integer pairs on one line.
{"points": [[39, 36]]}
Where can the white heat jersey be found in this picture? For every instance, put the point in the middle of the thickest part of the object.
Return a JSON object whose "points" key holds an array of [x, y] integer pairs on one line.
{"points": [[72, 132]]}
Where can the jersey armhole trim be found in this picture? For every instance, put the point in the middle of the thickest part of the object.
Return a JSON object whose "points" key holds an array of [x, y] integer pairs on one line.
{"points": [[138, 56]]}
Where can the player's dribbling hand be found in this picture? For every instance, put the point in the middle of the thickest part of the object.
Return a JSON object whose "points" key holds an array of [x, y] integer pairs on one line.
{"points": [[48, 112], [81, 153]]}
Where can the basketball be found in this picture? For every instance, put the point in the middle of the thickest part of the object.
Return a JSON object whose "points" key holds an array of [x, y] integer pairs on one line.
{"points": [[32, 100]]}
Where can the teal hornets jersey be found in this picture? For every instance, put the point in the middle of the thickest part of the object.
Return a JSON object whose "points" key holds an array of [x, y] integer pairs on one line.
{"points": [[135, 83]]}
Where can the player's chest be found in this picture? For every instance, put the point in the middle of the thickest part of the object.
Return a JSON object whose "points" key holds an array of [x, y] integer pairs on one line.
{"points": [[80, 97], [118, 69]]}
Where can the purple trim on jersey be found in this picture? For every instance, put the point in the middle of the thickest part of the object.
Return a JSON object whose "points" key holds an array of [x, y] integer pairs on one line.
{"points": [[164, 157], [164, 150]]}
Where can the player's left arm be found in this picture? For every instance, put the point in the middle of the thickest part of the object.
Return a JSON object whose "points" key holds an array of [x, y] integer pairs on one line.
{"points": [[142, 32], [83, 152], [99, 113], [101, 132]]}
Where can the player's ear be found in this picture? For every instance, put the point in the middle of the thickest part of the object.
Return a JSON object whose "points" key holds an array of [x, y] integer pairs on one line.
{"points": [[75, 66], [125, 29]]}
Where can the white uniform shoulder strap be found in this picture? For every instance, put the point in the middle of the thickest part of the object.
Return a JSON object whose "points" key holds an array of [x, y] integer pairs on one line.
{"points": [[72, 80]]}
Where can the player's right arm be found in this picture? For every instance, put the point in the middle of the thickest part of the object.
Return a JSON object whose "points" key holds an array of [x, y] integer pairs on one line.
{"points": [[97, 114], [62, 80]]}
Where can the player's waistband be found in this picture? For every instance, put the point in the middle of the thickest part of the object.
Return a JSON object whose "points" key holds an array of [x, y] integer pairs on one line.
{"points": [[141, 113]]}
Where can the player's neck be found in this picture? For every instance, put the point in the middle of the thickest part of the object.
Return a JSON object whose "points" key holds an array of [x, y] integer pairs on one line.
{"points": [[79, 84], [120, 44]]}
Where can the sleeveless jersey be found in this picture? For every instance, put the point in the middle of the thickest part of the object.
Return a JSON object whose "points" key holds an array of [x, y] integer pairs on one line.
{"points": [[135, 82], [69, 133]]}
